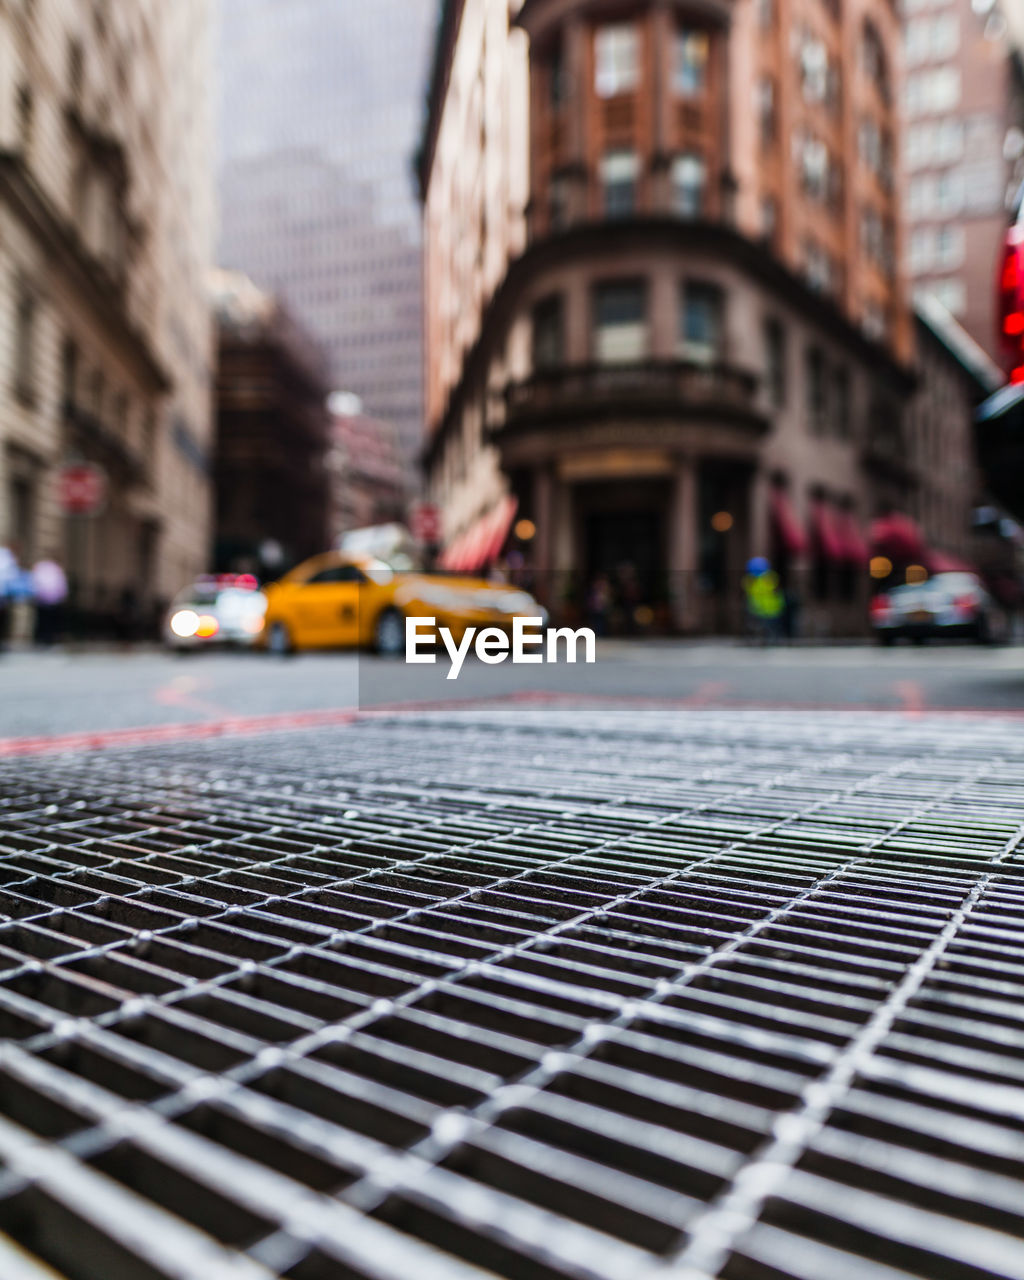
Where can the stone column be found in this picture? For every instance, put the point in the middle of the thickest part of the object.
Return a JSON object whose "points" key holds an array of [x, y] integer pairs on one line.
{"points": [[682, 544]]}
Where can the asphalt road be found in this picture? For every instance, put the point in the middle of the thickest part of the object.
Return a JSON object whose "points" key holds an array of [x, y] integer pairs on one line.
{"points": [[54, 693]]}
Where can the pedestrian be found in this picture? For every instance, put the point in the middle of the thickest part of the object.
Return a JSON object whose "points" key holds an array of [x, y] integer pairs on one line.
{"points": [[764, 599], [9, 572], [49, 590]]}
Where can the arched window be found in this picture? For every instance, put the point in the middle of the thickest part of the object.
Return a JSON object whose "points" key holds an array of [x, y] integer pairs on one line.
{"points": [[873, 59]]}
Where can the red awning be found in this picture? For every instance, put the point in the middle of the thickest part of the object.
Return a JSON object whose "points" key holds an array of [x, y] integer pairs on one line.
{"points": [[855, 547], [897, 537], [474, 551], [483, 541], [826, 531], [786, 524], [499, 524], [940, 562]]}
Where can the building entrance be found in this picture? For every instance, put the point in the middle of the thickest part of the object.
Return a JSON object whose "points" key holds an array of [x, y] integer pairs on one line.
{"points": [[624, 557]]}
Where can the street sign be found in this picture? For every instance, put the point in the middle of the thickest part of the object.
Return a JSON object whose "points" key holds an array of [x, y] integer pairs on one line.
{"points": [[425, 523], [81, 488]]}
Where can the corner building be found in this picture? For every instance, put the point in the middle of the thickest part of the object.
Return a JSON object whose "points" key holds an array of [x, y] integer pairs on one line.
{"points": [[663, 302]]}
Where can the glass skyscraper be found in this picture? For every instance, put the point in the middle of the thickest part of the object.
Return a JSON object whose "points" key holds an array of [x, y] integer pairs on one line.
{"points": [[320, 111]]}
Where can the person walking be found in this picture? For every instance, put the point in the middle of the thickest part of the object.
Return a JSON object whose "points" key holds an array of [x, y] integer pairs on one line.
{"points": [[49, 590], [764, 599]]}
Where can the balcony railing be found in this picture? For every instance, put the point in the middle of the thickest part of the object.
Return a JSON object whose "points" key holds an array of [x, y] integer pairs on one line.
{"points": [[679, 388]]}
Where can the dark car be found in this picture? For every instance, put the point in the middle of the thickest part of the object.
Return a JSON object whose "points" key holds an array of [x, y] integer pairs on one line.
{"points": [[947, 606]]}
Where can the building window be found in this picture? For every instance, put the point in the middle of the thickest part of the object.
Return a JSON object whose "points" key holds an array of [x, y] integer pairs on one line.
{"points": [[702, 317], [815, 390], [691, 63], [620, 322], [949, 247], [556, 79], [25, 345], [813, 69], [769, 219], [68, 374], [22, 517], [25, 120], [929, 92], [76, 69], [818, 269], [689, 182], [874, 321], [766, 111], [775, 362], [616, 60], [841, 402], [558, 202], [873, 60], [548, 333], [820, 176], [619, 172]]}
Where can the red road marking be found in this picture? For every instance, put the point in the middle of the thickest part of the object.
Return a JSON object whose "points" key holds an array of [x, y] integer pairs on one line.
{"points": [[278, 722], [911, 694]]}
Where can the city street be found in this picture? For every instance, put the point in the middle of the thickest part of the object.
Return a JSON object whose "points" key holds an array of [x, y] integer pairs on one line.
{"points": [[54, 693]]}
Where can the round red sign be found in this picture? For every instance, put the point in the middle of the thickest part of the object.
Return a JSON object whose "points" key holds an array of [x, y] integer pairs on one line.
{"points": [[81, 489]]}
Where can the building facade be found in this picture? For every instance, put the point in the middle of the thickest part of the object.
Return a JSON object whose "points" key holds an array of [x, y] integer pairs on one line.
{"points": [[964, 151], [272, 438], [664, 305], [320, 104], [368, 475], [106, 226]]}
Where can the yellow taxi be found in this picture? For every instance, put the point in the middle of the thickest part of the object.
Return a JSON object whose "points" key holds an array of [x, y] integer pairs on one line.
{"points": [[340, 600]]}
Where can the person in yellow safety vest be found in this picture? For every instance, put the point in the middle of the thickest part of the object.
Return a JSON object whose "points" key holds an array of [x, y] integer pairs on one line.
{"points": [[765, 601]]}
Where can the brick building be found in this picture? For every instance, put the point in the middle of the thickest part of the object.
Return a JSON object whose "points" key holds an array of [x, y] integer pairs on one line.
{"points": [[964, 150], [664, 306], [105, 338], [272, 492]]}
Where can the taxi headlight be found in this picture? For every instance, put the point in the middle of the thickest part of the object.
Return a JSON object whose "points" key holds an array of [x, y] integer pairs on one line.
{"points": [[185, 623]]}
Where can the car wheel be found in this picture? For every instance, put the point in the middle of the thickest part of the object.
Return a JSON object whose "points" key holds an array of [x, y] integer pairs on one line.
{"points": [[279, 640], [389, 634]]}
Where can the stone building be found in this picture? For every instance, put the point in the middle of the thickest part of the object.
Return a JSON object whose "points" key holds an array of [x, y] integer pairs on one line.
{"points": [[105, 338], [664, 306], [272, 491]]}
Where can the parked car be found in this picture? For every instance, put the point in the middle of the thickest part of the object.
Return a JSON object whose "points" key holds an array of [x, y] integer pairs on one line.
{"points": [[218, 610], [946, 606], [343, 600]]}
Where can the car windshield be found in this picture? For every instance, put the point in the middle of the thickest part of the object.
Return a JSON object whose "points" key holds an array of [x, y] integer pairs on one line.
{"points": [[198, 593], [955, 583]]}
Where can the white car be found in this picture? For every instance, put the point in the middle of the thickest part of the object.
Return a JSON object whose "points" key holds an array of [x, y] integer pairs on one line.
{"points": [[946, 606], [214, 611]]}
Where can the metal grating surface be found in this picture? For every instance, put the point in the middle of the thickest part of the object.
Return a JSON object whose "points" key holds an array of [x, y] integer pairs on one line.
{"points": [[535, 993]]}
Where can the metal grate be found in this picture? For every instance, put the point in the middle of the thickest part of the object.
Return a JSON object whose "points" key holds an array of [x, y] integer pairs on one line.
{"points": [[530, 992]]}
